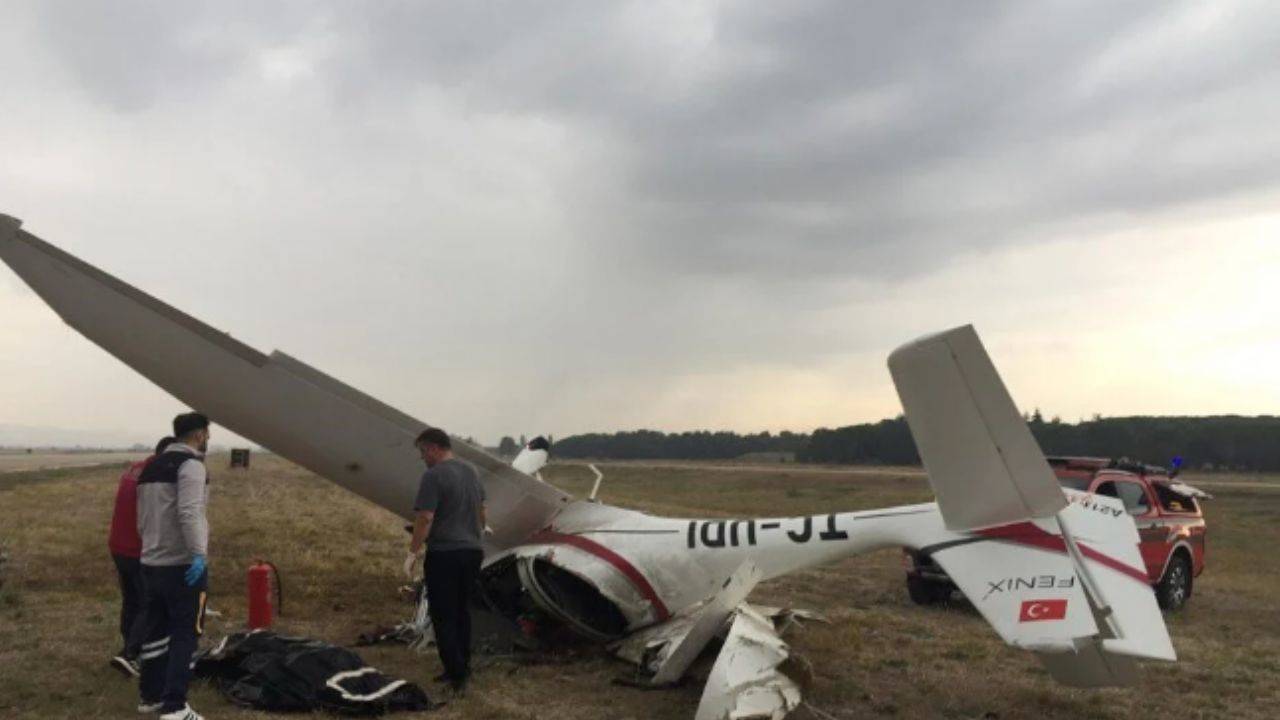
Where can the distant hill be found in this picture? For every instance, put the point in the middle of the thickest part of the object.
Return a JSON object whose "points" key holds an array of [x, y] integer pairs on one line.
{"points": [[24, 436]]}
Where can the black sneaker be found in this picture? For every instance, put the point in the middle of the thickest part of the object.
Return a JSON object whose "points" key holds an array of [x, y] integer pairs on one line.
{"points": [[126, 666]]}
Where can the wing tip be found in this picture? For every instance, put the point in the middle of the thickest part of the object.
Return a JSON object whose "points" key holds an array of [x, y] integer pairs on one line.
{"points": [[9, 225], [929, 338]]}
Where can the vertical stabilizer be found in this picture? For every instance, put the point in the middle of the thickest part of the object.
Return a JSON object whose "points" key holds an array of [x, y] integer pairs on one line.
{"points": [[983, 463]]}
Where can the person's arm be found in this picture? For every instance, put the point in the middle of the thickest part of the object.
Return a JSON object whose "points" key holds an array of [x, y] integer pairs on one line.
{"points": [[424, 511], [191, 507], [421, 528], [125, 506]]}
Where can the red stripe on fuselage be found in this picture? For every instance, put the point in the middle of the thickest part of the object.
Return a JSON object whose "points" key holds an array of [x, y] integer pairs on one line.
{"points": [[1027, 533], [619, 563]]}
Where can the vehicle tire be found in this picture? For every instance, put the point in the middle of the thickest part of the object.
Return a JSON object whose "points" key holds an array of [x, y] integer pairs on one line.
{"points": [[924, 592], [1174, 587]]}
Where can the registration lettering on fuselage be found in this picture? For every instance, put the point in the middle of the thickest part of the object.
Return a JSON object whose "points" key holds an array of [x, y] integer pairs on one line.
{"points": [[739, 533]]}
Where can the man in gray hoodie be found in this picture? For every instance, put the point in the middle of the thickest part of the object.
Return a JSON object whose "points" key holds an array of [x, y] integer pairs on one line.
{"points": [[172, 498]]}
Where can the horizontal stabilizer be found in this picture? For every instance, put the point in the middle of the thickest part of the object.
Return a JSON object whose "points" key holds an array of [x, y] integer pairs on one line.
{"points": [[1089, 666], [1031, 596], [1071, 589]]}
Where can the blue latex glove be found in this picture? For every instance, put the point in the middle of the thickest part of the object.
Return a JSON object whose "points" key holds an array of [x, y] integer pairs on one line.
{"points": [[196, 571]]}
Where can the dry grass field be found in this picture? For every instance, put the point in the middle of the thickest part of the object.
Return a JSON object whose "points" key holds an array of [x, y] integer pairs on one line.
{"points": [[21, 461], [879, 657]]}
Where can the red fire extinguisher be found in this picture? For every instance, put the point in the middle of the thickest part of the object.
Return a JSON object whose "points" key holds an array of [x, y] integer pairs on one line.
{"points": [[260, 573]]}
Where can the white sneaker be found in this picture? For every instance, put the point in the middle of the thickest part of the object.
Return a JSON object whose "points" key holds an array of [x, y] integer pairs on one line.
{"points": [[186, 713], [146, 708], [127, 667]]}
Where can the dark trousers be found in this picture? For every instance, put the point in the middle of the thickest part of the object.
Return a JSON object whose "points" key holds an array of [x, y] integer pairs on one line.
{"points": [[129, 571], [451, 578], [173, 623]]}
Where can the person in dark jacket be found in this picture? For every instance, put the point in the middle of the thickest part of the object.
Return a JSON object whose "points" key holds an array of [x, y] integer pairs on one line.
{"points": [[173, 495], [126, 547], [450, 520]]}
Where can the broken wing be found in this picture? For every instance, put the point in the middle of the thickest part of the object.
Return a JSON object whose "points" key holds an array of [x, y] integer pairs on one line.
{"points": [[294, 410]]}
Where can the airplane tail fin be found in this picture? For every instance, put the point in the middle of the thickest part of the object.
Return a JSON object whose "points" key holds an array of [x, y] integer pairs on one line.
{"points": [[1059, 576]]}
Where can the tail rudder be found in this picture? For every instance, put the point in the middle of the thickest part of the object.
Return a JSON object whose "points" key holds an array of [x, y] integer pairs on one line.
{"points": [[1108, 559]]}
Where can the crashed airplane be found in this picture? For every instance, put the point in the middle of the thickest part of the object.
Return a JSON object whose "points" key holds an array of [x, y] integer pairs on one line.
{"points": [[658, 590]]}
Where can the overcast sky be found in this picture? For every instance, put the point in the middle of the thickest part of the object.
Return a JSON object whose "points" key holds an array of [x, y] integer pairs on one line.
{"points": [[523, 217]]}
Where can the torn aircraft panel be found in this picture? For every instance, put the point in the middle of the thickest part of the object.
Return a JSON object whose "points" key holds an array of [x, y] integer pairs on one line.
{"points": [[676, 657], [745, 681], [786, 618]]}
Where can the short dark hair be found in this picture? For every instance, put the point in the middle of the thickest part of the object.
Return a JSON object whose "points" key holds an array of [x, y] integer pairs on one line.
{"points": [[187, 423], [165, 442], [434, 436]]}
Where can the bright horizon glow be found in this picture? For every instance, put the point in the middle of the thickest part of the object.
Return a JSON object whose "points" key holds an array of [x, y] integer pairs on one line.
{"points": [[1158, 344]]}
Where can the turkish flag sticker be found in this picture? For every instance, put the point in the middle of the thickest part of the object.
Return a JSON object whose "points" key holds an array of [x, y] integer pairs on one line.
{"points": [[1035, 610]]}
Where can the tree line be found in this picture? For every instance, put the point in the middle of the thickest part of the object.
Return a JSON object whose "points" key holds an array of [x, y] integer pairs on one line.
{"points": [[1223, 441], [696, 445]]}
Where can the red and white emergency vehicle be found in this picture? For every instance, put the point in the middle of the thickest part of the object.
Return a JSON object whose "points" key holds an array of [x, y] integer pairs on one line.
{"points": [[1170, 522]]}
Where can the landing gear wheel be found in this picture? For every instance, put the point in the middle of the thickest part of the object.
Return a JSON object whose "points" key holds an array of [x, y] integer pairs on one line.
{"points": [[1175, 587], [924, 592]]}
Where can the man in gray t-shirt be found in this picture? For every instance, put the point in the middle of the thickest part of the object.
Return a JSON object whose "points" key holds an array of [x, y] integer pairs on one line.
{"points": [[452, 492], [449, 516]]}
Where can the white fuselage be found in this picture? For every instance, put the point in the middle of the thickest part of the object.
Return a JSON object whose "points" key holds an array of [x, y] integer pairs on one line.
{"points": [[653, 567]]}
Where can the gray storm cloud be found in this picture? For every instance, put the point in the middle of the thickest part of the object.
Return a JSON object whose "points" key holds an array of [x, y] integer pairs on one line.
{"points": [[861, 138], [599, 195]]}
